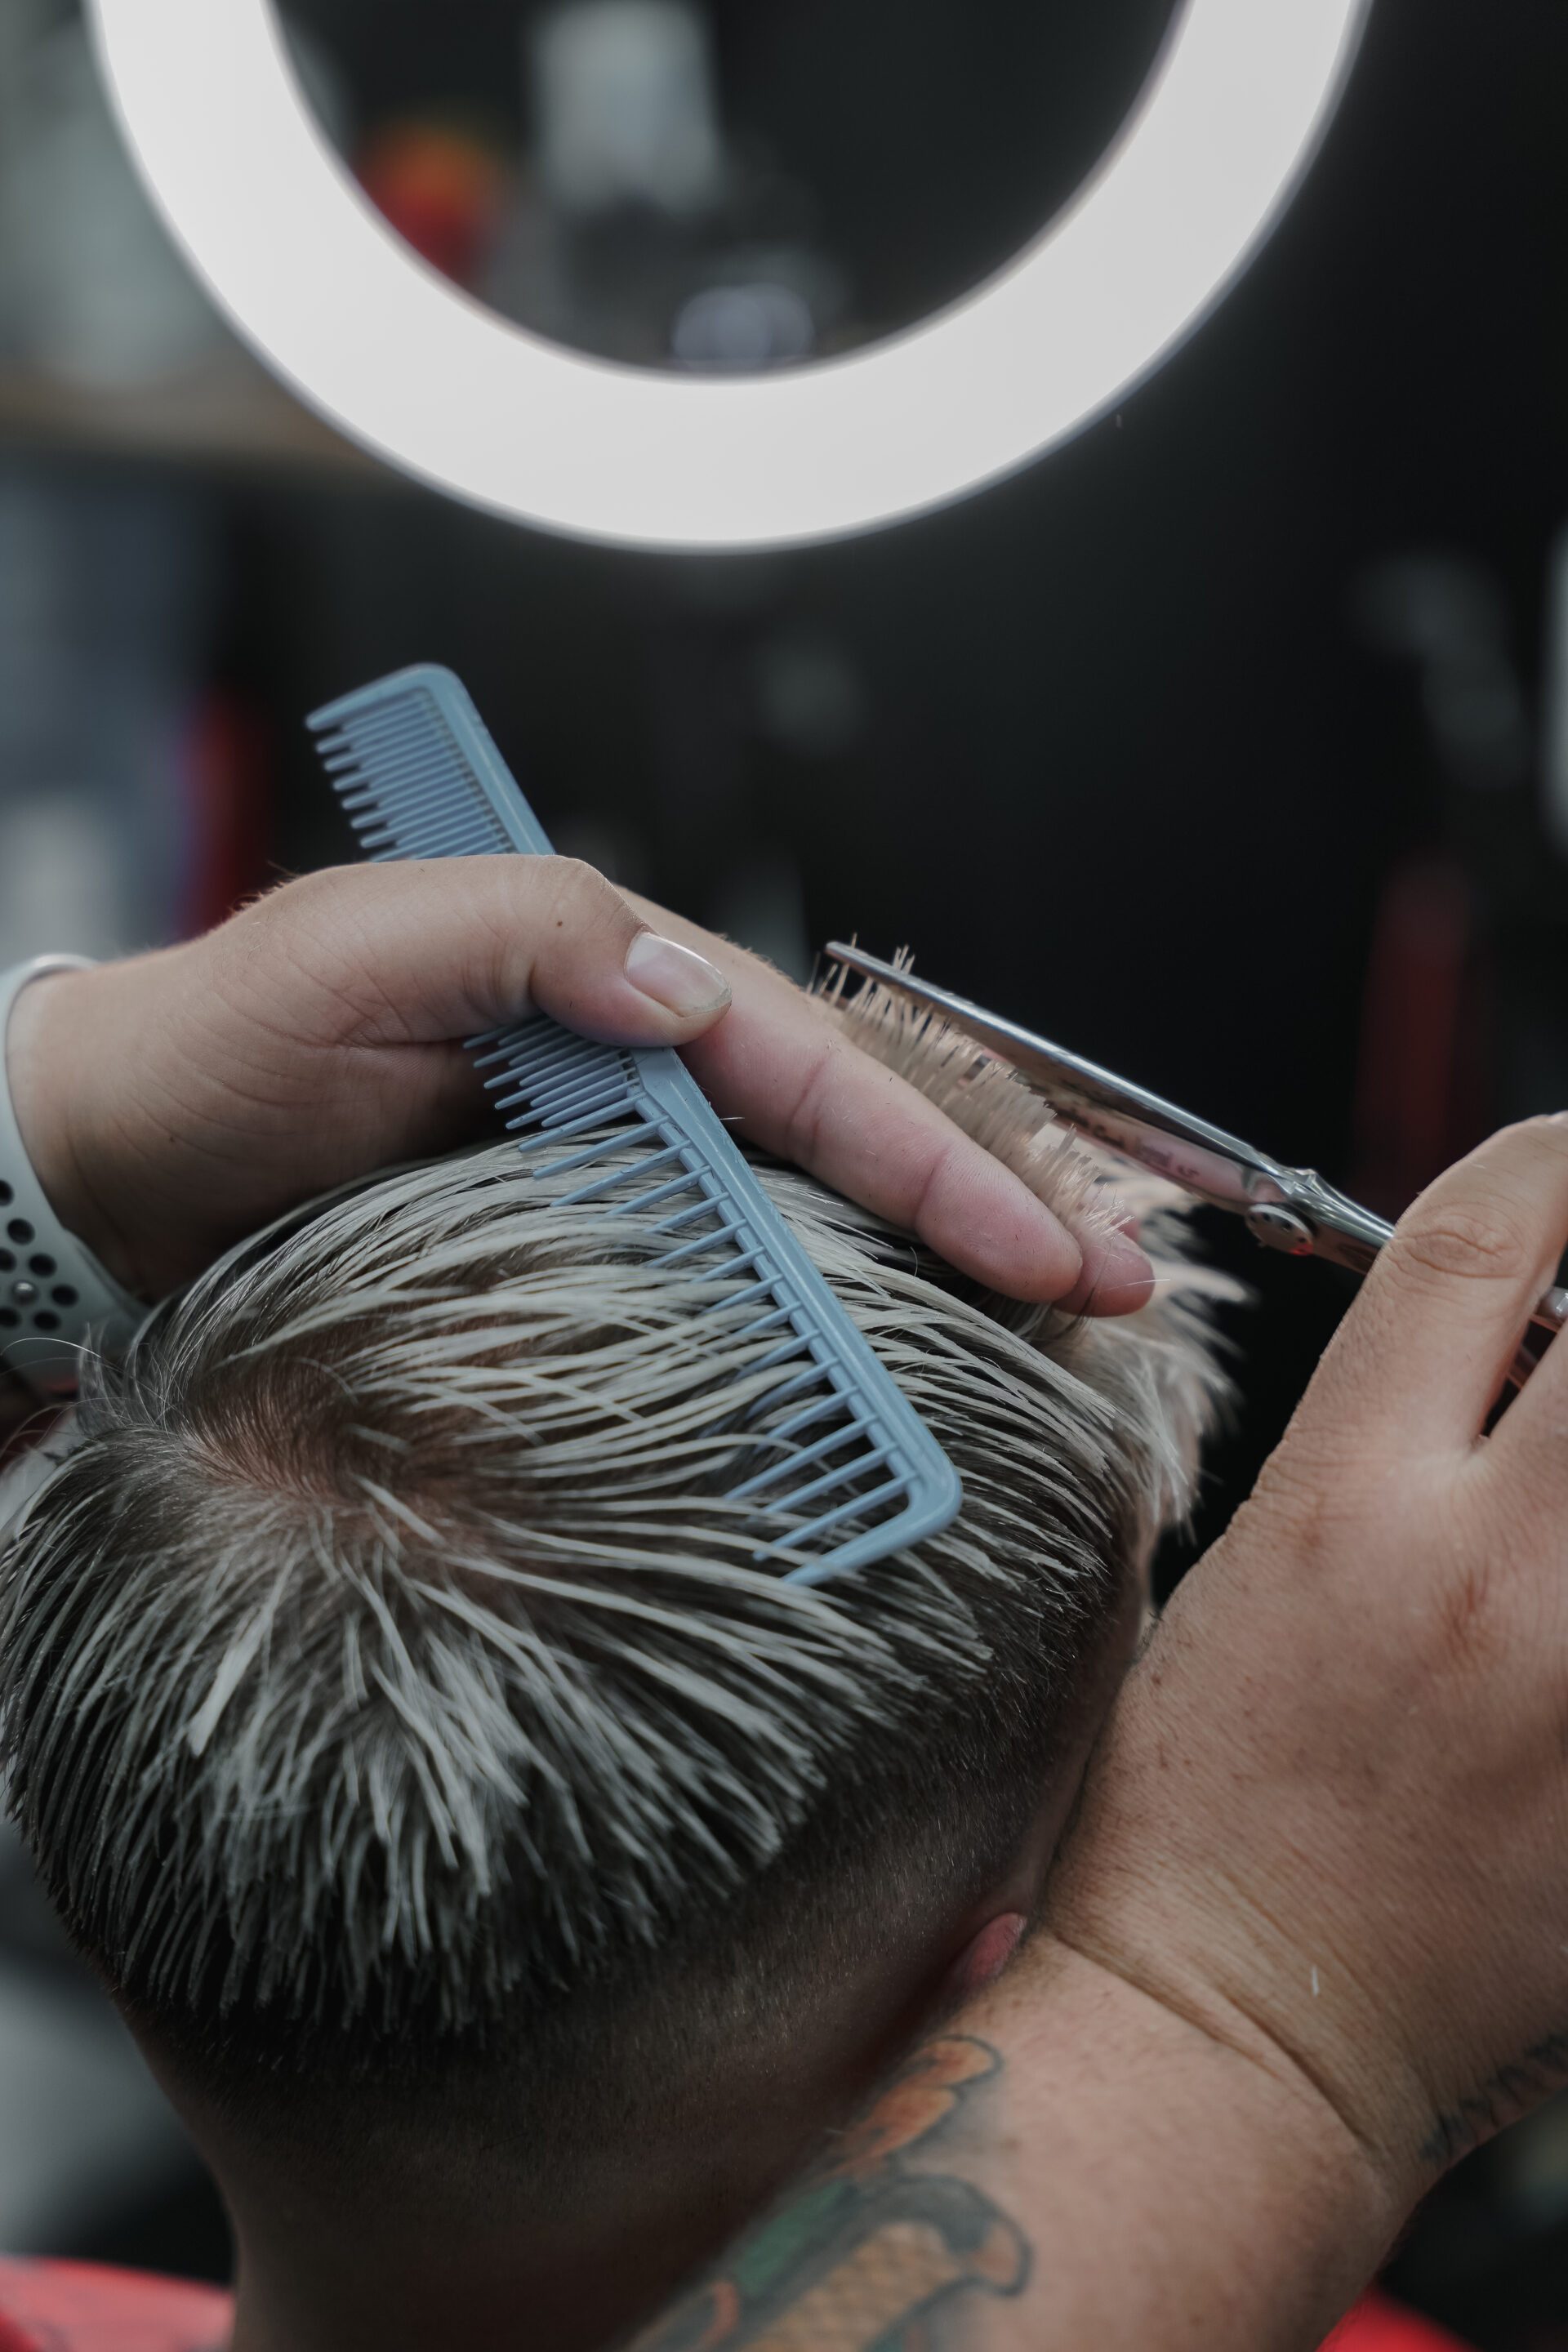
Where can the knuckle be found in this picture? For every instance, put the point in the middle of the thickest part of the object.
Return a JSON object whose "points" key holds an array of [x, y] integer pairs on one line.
{"points": [[933, 1176], [804, 1121], [280, 926], [1465, 1614], [550, 909], [284, 902], [1470, 1242], [1306, 1498], [1543, 1132], [310, 924], [581, 891], [1465, 1605]]}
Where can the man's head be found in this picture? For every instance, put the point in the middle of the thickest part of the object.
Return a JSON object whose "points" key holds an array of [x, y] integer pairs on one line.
{"points": [[404, 1728]]}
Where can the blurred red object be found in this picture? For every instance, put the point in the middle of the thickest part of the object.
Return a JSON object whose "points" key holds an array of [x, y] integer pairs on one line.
{"points": [[78, 2307], [228, 776], [1379, 2325], [1421, 1093], [442, 190]]}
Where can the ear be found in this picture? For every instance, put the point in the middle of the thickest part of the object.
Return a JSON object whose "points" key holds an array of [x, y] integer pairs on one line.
{"points": [[983, 1957]]}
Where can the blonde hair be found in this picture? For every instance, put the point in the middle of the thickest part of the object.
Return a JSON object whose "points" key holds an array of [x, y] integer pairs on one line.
{"points": [[389, 1646]]}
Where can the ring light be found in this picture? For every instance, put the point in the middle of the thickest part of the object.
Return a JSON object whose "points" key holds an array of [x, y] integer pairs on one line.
{"points": [[403, 361]]}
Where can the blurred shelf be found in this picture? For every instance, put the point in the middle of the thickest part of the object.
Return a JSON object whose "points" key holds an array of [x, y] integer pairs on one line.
{"points": [[227, 410]]}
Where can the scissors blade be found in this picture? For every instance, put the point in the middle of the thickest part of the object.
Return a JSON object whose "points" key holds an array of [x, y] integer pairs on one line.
{"points": [[1143, 1127], [1288, 1209]]}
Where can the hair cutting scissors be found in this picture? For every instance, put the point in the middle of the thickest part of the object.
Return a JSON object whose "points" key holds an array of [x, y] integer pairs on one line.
{"points": [[1288, 1209]]}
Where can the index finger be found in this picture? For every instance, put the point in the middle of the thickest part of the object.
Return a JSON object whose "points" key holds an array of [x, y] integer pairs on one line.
{"points": [[1422, 1355], [379, 960], [779, 1067]]}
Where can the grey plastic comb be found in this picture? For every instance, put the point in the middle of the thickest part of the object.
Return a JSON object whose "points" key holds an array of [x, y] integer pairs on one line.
{"points": [[855, 1474]]}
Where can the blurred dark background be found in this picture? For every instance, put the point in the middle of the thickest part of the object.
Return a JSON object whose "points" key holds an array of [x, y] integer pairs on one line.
{"points": [[1230, 745]]}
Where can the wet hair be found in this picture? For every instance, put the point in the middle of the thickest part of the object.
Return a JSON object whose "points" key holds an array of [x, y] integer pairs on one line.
{"points": [[386, 1655]]}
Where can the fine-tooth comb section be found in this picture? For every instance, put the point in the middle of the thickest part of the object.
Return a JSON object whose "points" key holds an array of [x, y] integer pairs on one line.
{"points": [[418, 775], [848, 1471]]}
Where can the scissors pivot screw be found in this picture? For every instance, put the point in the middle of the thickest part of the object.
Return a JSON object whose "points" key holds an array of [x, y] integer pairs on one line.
{"points": [[1287, 1208], [1279, 1228]]}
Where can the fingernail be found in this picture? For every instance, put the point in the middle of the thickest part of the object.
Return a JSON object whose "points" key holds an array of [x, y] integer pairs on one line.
{"points": [[1125, 1265], [674, 976], [1116, 1279]]}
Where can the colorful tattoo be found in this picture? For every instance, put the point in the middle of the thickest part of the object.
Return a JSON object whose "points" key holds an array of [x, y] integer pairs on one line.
{"points": [[872, 2253]]}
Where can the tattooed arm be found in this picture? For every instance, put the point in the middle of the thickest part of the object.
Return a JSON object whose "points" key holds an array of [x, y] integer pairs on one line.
{"points": [[1308, 1937], [1100, 2173]]}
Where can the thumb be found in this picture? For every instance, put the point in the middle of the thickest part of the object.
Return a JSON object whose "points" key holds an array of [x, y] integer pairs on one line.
{"points": [[1419, 1360], [438, 949]]}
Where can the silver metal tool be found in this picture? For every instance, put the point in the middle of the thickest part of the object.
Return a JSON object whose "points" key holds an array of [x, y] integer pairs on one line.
{"points": [[1288, 1209]]}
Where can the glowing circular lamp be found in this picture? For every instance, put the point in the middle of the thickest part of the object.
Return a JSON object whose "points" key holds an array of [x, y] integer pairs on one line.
{"points": [[403, 361]]}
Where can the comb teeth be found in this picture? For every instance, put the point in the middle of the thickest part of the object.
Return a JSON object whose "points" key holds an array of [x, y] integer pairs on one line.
{"points": [[828, 1456], [418, 775], [847, 1471], [408, 811]]}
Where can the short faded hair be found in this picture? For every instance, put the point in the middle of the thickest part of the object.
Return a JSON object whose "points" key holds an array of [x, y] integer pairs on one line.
{"points": [[388, 1655]]}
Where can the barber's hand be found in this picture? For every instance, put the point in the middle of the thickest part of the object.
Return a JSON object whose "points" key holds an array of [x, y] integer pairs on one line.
{"points": [[173, 1104], [1330, 1822]]}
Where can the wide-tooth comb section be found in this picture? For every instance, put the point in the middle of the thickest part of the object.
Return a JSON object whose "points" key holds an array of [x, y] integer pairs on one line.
{"points": [[846, 1472]]}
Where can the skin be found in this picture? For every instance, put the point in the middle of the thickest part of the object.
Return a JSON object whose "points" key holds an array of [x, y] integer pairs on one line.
{"points": [[453, 2251], [172, 1104], [1307, 1939]]}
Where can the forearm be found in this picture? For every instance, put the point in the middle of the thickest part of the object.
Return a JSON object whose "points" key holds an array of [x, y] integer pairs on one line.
{"points": [[1068, 2163], [1179, 2183]]}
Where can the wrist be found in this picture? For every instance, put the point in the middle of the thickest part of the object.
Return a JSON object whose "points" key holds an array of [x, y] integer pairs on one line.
{"points": [[49, 1097], [1249, 2213], [59, 1305], [1187, 1887]]}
